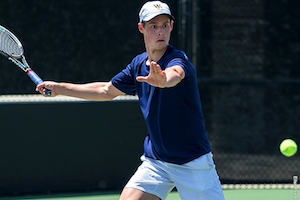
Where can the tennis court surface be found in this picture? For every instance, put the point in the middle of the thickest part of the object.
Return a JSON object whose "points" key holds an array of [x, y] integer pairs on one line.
{"points": [[230, 194]]}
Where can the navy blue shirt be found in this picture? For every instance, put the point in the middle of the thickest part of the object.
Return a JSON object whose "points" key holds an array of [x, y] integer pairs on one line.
{"points": [[176, 131]]}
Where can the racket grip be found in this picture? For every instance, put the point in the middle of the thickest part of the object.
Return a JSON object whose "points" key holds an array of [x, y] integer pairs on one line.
{"points": [[37, 80]]}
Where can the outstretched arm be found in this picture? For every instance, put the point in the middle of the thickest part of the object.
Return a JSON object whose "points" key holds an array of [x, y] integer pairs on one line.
{"points": [[98, 91], [163, 78]]}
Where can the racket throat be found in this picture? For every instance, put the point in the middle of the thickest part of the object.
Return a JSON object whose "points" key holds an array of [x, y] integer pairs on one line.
{"points": [[18, 63], [28, 71]]}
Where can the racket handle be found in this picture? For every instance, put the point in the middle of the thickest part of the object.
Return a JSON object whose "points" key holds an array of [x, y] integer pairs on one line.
{"points": [[37, 80]]}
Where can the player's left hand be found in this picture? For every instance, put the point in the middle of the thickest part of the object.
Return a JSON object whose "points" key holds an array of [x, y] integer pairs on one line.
{"points": [[156, 77]]}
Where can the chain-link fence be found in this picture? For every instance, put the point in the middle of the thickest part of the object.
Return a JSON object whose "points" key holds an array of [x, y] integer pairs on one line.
{"points": [[250, 87], [247, 55]]}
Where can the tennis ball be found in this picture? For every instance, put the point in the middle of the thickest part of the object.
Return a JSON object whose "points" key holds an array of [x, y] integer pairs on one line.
{"points": [[288, 147]]}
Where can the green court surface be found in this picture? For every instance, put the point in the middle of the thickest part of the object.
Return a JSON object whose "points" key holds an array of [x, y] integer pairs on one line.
{"points": [[259, 194], [230, 194]]}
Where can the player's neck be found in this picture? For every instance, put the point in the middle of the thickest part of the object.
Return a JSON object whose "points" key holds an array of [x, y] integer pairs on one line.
{"points": [[155, 54]]}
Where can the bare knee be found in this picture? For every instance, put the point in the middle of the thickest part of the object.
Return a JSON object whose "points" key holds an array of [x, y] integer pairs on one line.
{"points": [[134, 194]]}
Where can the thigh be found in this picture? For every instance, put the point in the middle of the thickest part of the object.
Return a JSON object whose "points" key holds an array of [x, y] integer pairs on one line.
{"points": [[151, 178], [198, 179], [135, 194]]}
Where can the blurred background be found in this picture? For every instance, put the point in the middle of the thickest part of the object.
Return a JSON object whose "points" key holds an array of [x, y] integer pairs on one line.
{"points": [[247, 57]]}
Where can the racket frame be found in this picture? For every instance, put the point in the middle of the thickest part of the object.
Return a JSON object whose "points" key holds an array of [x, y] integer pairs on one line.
{"points": [[22, 65]]}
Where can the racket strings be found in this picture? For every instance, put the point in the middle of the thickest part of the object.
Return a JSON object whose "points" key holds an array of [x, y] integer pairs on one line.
{"points": [[9, 45]]}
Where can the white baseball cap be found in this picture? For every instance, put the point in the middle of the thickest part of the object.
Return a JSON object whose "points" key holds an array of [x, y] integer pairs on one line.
{"points": [[152, 9]]}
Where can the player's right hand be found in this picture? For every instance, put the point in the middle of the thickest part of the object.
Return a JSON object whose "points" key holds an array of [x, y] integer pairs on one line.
{"points": [[50, 85]]}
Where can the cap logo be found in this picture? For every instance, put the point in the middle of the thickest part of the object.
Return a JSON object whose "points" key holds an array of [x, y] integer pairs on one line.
{"points": [[158, 6]]}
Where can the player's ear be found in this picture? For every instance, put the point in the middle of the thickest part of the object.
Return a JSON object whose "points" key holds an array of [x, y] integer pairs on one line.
{"points": [[141, 27], [172, 24]]}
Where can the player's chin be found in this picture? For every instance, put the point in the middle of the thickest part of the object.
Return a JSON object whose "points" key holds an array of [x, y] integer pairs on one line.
{"points": [[161, 44]]}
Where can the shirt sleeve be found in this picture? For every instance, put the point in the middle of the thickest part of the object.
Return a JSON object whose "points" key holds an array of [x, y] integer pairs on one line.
{"points": [[125, 81], [179, 61]]}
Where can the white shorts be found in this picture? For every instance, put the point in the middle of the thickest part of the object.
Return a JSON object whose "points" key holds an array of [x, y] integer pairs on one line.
{"points": [[195, 180]]}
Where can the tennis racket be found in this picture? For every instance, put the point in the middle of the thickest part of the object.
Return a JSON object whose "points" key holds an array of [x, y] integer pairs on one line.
{"points": [[11, 48]]}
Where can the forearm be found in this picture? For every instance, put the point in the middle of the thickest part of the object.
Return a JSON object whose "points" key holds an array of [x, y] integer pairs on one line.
{"points": [[172, 80], [98, 91], [163, 79], [174, 76], [90, 91]]}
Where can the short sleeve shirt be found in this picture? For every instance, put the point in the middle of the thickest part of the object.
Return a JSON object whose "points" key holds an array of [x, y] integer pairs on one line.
{"points": [[174, 118]]}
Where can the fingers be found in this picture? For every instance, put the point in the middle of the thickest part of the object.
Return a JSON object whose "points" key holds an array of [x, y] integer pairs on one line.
{"points": [[156, 76], [155, 68], [41, 88], [141, 79]]}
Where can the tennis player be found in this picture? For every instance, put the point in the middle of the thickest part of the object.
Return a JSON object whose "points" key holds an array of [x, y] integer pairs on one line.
{"points": [[177, 152]]}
